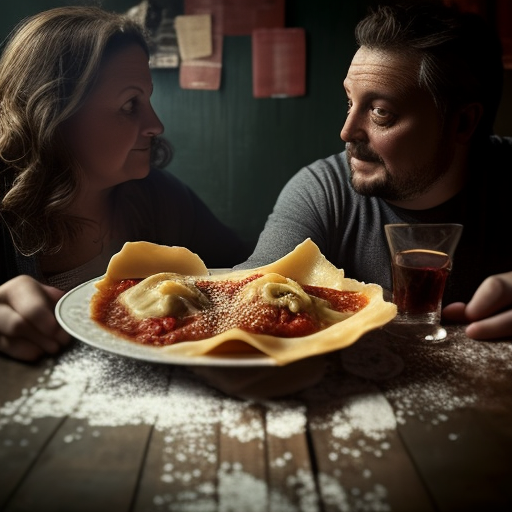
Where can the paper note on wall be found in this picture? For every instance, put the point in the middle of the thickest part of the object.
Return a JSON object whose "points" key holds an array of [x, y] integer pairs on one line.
{"points": [[194, 34]]}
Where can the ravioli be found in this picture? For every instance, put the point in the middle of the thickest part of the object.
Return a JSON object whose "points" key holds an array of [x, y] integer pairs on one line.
{"points": [[299, 306]]}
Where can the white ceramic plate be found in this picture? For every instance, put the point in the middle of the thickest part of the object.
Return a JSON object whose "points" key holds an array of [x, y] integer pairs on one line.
{"points": [[72, 312]]}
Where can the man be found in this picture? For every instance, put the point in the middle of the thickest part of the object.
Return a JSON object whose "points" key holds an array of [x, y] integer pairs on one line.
{"points": [[423, 89]]}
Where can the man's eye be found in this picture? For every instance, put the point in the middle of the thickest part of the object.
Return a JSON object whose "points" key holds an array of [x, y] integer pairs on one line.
{"points": [[380, 112], [382, 116], [349, 106]]}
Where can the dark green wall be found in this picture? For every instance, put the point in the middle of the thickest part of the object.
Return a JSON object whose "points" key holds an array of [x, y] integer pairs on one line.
{"points": [[236, 151]]}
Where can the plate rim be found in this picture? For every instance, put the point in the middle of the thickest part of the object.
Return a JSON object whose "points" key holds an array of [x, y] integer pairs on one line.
{"points": [[110, 342]]}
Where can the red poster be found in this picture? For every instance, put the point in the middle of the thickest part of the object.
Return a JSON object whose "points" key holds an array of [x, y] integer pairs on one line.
{"points": [[239, 17], [279, 62]]}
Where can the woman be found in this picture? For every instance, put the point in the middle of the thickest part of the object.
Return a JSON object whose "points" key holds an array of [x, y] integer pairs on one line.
{"points": [[79, 149]]}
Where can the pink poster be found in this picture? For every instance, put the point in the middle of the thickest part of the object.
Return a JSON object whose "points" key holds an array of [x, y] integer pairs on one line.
{"points": [[279, 62], [240, 17]]}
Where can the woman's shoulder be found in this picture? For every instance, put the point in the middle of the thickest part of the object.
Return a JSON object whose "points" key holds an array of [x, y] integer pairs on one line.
{"points": [[163, 178]]}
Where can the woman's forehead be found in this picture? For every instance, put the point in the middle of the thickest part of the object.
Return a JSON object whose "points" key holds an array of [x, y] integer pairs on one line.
{"points": [[126, 65]]}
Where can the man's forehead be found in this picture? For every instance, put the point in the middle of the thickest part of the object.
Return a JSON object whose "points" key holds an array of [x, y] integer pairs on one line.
{"points": [[383, 70]]}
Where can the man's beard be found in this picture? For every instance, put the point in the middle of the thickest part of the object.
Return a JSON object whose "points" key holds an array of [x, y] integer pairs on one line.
{"points": [[391, 187], [376, 187]]}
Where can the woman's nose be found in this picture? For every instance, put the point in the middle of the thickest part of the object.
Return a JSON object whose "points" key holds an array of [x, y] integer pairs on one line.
{"points": [[153, 125]]}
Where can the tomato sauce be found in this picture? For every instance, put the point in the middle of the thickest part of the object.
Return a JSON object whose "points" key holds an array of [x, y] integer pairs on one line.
{"points": [[225, 311]]}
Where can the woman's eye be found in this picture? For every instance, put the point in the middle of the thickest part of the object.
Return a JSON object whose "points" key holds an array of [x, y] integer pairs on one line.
{"points": [[129, 106]]}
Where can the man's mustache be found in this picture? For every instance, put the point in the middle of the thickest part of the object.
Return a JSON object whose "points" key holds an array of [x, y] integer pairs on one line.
{"points": [[361, 151]]}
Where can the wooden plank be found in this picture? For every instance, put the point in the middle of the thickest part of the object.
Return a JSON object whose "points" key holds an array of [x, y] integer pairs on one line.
{"points": [[180, 472], [242, 474], [361, 461], [291, 479], [17, 378], [84, 468], [361, 469], [20, 446], [466, 467], [23, 432]]}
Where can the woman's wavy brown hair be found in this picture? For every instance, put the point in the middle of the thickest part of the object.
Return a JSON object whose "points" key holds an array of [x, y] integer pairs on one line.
{"points": [[47, 68]]}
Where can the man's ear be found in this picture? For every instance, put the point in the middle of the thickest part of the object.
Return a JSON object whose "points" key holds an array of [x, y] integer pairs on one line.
{"points": [[468, 118]]}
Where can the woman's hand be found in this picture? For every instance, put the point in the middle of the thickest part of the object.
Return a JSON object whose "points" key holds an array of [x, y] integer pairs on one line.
{"points": [[489, 312], [28, 327]]}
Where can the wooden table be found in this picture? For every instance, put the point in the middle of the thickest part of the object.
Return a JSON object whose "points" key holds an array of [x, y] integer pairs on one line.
{"points": [[391, 425]]}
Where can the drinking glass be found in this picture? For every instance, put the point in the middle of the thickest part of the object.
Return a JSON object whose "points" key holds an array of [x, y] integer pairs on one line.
{"points": [[421, 260]]}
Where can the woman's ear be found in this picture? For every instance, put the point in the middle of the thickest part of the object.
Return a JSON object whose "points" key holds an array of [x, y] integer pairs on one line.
{"points": [[469, 117]]}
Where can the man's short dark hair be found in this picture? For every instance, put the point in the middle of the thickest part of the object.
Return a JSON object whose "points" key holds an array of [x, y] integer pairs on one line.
{"points": [[460, 53]]}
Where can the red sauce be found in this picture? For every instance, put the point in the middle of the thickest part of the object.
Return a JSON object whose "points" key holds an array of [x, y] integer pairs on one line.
{"points": [[226, 311]]}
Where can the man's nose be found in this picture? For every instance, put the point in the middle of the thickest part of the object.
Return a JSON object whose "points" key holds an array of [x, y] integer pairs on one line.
{"points": [[353, 129]]}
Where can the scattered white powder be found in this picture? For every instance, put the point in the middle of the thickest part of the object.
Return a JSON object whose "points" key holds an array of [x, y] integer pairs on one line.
{"points": [[239, 490], [186, 403], [285, 419], [429, 381], [236, 423], [370, 414], [58, 397], [353, 499], [93, 385], [184, 502], [438, 380], [303, 485], [281, 462], [333, 493], [372, 361]]}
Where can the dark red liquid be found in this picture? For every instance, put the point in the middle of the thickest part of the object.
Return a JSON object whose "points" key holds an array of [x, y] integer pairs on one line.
{"points": [[419, 277]]}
